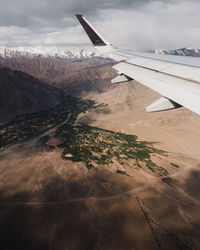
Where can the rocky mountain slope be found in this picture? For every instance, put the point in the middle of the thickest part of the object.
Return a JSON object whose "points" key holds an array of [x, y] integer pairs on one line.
{"points": [[61, 72], [21, 94]]}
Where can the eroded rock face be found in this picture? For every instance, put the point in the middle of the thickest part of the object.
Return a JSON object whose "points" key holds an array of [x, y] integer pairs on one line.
{"points": [[59, 71], [78, 76]]}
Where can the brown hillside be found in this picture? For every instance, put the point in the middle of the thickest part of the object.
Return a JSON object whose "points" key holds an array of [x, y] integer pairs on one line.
{"points": [[21, 94]]}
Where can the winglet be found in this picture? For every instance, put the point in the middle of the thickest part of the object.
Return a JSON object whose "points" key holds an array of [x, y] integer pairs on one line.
{"points": [[93, 34], [162, 104]]}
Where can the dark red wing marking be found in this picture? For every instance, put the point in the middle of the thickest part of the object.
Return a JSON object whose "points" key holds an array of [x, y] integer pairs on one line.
{"points": [[95, 39]]}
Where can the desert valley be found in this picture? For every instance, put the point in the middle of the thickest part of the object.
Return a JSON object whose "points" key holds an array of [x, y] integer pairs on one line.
{"points": [[84, 166]]}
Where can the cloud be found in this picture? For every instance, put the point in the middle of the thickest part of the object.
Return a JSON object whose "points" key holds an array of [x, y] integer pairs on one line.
{"points": [[153, 25], [30, 13], [17, 36], [139, 25]]}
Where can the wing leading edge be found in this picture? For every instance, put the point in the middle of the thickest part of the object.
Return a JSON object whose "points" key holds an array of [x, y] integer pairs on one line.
{"points": [[176, 78]]}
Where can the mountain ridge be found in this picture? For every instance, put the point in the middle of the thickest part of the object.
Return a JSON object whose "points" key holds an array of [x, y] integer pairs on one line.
{"points": [[21, 93], [53, 52], [178, 52]]}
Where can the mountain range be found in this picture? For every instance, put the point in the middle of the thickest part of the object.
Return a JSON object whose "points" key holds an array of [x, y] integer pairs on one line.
{"points": [[54, 52], [31, 77], [33, 82], [85, 52], [27, 73], [50, 68], [178, 52]]}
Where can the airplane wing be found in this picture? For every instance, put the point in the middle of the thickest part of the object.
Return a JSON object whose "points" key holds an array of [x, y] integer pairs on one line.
{"points": [[175, 78]]}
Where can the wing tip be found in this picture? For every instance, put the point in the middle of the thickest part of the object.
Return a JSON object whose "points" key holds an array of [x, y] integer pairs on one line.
{"points": [[94, 36], [78, 15]]}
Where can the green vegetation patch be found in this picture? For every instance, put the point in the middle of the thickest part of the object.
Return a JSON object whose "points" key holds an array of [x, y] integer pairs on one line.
{"points": [[80, 142], [168, 181], [25, 127], [92, 145], [122, 172], [175, 165], [101, 105]]}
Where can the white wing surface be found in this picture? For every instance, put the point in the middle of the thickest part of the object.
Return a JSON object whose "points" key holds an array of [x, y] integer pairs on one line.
{"points": [[176, 78]]}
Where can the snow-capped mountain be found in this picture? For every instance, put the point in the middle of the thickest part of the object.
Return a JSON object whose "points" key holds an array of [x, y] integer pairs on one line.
{"points": [[178, 52], [79, 52], [55, 52]]}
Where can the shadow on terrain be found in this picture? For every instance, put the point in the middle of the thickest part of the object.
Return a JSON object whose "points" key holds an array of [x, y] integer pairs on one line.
{"points": [[59, 216], [90, 214], [192, 184]]}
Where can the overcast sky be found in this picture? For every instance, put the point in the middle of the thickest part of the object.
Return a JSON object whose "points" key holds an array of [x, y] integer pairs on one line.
{"points": [[134, 24]]}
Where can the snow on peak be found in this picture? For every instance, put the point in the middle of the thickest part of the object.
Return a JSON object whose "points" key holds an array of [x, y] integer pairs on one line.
{"points": [[55, 52], [179, 52]]}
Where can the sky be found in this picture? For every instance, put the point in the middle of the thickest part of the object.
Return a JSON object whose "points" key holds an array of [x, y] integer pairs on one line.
{"points": [[134, 24]]}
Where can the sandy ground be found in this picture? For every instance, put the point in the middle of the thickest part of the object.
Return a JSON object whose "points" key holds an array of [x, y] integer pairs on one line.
{"points": [[178, 130], [48, 203]]}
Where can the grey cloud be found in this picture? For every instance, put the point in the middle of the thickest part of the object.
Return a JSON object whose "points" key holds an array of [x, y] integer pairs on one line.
{"points": [[154, 25], [139, 25], [28, 13]]}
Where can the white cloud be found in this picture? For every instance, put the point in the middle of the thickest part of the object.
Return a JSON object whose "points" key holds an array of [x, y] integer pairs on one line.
{"points": [[11, 34], [16, 36]]}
